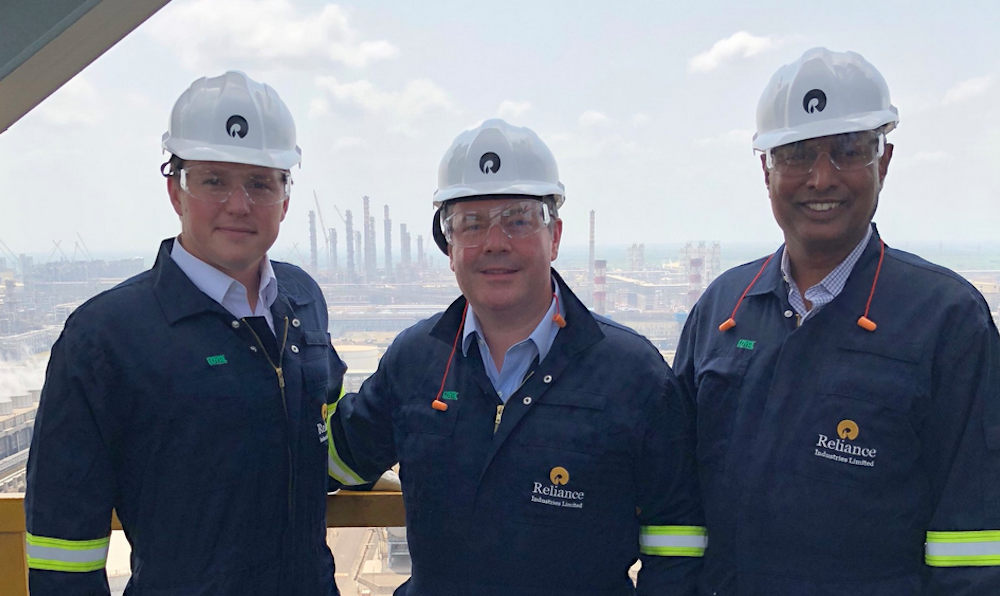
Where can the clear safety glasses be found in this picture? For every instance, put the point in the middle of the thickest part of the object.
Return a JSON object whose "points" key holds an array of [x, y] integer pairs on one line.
{"points": [[848, 151], [214, 183], [467, 226]]}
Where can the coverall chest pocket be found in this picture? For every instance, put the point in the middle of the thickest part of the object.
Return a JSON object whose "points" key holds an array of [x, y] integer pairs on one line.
{"points": [[315, 361], [563, 473], [857, 430], [719, 383], [426, 455]]}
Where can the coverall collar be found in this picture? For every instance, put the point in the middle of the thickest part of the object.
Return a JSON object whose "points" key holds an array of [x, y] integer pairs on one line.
{"points": [[581, 329], [772, 281], [180, 298]]}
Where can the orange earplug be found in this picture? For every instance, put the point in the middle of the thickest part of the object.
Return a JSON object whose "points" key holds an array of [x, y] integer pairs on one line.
{"points": [[559, 320], [727, 325], [867, 324], [439, 405]]}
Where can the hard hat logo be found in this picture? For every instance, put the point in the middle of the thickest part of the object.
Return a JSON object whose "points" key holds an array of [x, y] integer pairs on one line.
{"points": [[489, 163], [237, 126], [814, 101]]}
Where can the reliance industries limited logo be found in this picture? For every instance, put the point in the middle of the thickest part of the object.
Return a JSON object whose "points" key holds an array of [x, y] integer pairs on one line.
{"points": [[489, 163], [553, 494], [814, 101], [844, 449], [237, 126]]}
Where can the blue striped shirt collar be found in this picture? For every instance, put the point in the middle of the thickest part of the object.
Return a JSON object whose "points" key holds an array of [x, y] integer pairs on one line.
{"points": [[543, 335], [825, 291]]}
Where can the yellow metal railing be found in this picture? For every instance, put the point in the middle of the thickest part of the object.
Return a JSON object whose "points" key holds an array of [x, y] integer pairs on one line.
{"points": [[343, 510]]}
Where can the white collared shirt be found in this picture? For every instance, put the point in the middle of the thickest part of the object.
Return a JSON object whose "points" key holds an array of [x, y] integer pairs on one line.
{"points": [[225, 290], [519, 357]]}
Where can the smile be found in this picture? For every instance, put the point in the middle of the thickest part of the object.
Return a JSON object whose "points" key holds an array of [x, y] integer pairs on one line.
{"points": [[821, 206]]}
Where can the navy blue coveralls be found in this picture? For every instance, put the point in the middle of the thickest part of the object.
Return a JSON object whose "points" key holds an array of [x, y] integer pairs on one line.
{"points": [[829, 455], [548, 495], [161, 405]]}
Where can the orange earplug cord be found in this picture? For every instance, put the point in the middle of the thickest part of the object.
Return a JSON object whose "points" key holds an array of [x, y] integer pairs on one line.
{"points": [[864, 322], [439, 405]]}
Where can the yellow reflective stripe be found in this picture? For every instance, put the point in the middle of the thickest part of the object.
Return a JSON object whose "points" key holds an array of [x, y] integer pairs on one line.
{"points": [[673, 541], [978, 548], [56, 554], [335, 466]]}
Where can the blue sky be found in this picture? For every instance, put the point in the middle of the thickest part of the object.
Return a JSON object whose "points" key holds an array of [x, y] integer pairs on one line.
{"points": [[648, 107]]}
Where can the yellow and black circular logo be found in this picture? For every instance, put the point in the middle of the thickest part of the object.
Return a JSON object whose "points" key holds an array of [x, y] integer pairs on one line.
{"points": [[848, 429], [323, 411], [559, 476]]}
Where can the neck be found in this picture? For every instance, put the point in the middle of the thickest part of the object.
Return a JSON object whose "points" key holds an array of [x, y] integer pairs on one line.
{"points": [[501, 330], [809, 267]]}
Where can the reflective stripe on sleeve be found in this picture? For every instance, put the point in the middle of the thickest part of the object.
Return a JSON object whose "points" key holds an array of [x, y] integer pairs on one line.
{"points": [[673, 541], [979, 548], [56, 554], [335, 466]]}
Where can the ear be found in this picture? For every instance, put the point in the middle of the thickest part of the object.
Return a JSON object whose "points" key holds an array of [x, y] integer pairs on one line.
{"points": [[556, 237], [883, 164], [284, 209], [451, 257], [767, 173], [174, 191]]}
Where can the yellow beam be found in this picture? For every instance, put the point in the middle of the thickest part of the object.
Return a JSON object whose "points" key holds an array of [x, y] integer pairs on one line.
{"points": [[69, 52], [343, 510]]}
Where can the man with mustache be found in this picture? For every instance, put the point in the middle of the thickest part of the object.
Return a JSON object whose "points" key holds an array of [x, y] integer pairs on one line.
{"points": [[847, 393], [542, 448], [191, 398]]}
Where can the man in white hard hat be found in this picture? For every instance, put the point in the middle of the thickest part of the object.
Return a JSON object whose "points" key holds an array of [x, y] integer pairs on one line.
{"points": [[847, 393], [542, 448], [191, 398]]}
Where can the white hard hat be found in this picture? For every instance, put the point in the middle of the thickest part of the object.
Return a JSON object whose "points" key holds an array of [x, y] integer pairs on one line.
{"points": [[496, 158], [822, 93], [235, 119]]}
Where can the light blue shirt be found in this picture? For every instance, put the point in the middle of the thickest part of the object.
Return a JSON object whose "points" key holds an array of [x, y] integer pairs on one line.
{"points": [[825, 291], [519, 356], [228, 292]]}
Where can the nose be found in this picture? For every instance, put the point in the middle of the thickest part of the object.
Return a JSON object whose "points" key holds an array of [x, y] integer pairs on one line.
{"points": [[496, 239], [238, 202], [823, 174]]}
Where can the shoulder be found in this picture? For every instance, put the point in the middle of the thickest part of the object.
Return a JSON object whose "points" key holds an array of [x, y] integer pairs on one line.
{"points": [[626, 342], [916, 277], [292, 278], [117, 301]]}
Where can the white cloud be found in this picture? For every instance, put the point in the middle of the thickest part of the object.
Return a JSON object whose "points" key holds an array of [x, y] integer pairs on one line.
{"points": [[416, 98], [738, 45], [640, 120], [572, 147], [592, 119], [318, 106], [731, 138], [511, 110], [76, 102], [968, 89], [217, 33]]}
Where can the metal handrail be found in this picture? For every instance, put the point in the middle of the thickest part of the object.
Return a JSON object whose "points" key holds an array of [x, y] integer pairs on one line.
{"points": [[343, 510]]}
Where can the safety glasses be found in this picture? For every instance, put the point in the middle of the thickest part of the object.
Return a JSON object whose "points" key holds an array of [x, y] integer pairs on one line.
{"points": [[848, 151], [467, 226], [215, 183]]}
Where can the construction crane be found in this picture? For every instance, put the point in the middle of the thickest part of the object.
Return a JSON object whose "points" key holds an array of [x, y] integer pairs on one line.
{"points": [[86, 250], [51, 254], [326, 234], [14, 261]]}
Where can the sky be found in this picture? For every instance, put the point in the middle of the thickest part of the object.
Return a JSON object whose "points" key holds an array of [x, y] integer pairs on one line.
{"points": [[648, 108]]}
